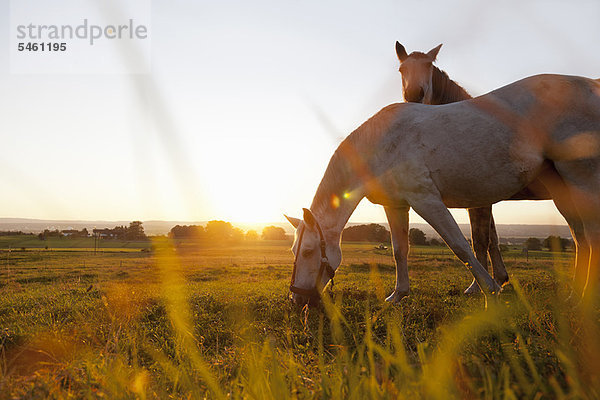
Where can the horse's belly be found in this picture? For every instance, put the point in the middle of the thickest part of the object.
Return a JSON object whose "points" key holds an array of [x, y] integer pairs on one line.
{"points": [[481, 181], [478, 190]]}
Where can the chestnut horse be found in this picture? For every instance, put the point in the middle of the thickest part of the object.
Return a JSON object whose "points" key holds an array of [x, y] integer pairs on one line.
{"points": [[423, 82]]}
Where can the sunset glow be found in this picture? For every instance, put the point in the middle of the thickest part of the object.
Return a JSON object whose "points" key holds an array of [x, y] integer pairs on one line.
{"points": [[241, 125]]}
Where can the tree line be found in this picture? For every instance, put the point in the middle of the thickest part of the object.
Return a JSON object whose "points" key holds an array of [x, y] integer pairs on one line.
{"points": [[416, 237], [135, 231], [552, 243], [14, 233], [224, 232], [378, 233]]}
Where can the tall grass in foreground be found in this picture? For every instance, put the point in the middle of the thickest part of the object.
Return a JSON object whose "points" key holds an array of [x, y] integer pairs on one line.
{"points": [[165, 341], [351, 367]]}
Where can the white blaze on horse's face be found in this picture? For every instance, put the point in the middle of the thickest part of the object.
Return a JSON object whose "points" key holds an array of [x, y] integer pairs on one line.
{"points": [[416, 70]]}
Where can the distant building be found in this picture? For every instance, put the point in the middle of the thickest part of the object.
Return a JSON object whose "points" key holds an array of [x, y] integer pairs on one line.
{"points": [[105, 233], [75, 233]]}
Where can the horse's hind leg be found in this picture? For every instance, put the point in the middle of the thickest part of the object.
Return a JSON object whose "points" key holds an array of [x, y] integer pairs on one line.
{"points": [[581, 201], [582, 247], [432, 209], [564, 203], [480, 236], [485, 240], [500, 274], [398, 221], [587, 280]]}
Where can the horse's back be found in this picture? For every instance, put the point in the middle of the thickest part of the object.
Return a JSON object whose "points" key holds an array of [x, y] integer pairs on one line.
{"points": [[547, 90], [493, 144]]}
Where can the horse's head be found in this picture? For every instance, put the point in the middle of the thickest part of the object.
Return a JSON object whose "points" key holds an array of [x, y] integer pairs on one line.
{"points": [[316, 259], [416, 69]]}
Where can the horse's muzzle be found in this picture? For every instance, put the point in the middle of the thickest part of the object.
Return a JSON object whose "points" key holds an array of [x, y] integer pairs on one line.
{"points": [[415, 96], [301, 300]]}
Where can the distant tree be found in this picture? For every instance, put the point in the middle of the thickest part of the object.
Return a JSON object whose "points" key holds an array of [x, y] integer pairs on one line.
{"points": [[252, 235], [435, 242], [75, 233], [219, 231], [416, 237], [176, 232], [237, 235], [273, 233], [13, 233], [503, 248], [48, 233], [118, 232], [533, 244], [187, 232], [135, 231], [366, 233], [553, 243], [567, 244], [556, 243], [215, 232]]}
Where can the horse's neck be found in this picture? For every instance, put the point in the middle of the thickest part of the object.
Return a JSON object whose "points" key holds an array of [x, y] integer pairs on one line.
{"points": [[445, 90], [349, 177], [335, 201], [333, 217]]}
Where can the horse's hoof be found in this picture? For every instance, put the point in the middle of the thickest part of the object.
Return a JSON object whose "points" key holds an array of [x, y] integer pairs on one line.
{"points": [[396, 296], [473, 289], [502, 280], [497, 289]]}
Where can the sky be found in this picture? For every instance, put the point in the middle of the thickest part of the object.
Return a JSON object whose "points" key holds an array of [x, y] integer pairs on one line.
{"points": [[243, 103]]}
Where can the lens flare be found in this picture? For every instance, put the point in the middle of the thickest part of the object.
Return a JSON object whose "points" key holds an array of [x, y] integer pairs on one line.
{"points": [[335, 201]]}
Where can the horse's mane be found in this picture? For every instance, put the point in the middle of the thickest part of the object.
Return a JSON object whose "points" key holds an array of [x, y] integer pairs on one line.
{"points": [[445, 90], [349, 167]]}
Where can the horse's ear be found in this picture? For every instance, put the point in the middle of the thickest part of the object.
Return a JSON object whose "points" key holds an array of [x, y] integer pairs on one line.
{"points": [[432, 54], [294, 221], [309, 218], [401, 52]]}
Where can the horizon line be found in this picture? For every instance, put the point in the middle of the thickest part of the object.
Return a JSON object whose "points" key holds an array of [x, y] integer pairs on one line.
{"points": [[230, 221]]}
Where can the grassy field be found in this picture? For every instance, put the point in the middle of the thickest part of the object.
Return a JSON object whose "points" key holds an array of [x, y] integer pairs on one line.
{"points": [[16, 242], [184, 322]]}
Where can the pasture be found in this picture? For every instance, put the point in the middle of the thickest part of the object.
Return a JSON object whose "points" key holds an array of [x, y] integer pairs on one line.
{"points": [[188, 322]]}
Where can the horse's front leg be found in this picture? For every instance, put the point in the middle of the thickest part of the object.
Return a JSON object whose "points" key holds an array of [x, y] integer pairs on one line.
{"points": [[429, 205], [398, 220]]}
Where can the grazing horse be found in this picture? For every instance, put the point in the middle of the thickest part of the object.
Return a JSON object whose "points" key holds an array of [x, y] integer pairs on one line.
{"points": [[540, 133], [423, 82]]}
